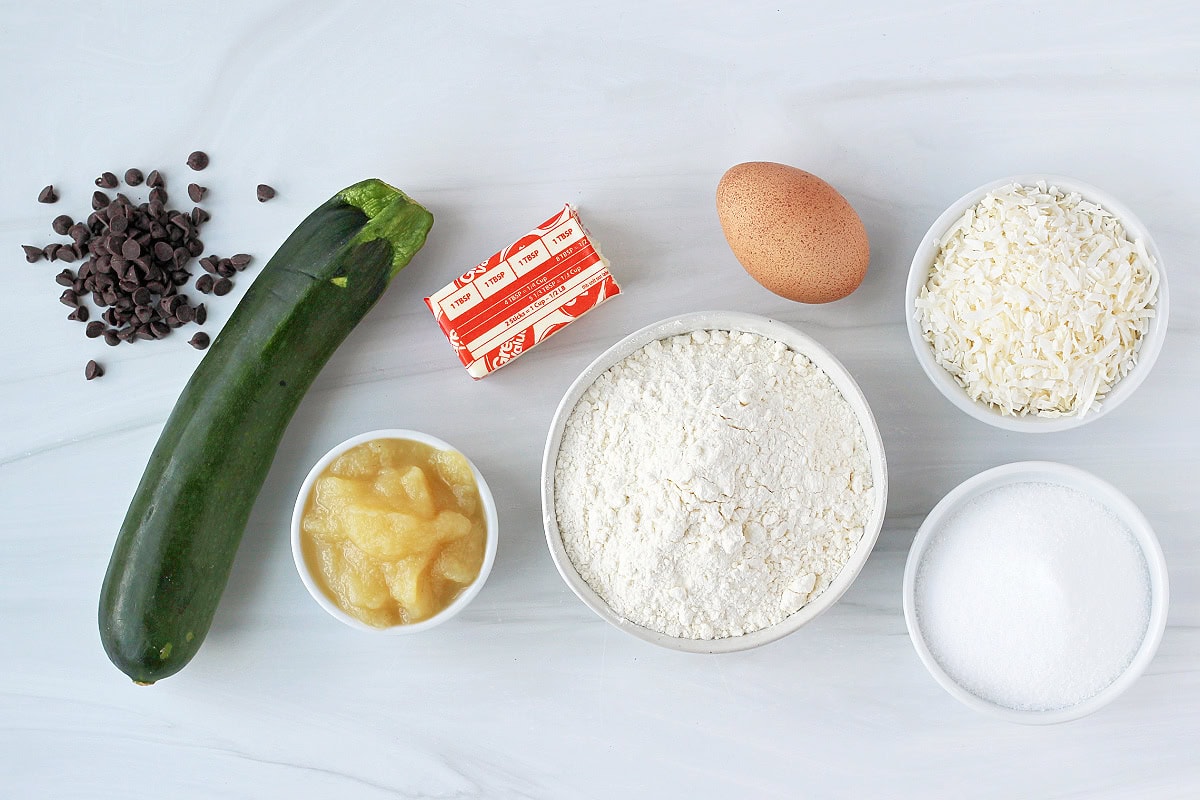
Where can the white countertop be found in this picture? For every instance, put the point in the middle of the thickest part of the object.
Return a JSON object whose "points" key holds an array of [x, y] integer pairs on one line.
{"points": [[493, 120]]}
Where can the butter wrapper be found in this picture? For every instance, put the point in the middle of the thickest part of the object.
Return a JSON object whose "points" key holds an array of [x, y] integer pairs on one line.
{"points": [[523, 294]]}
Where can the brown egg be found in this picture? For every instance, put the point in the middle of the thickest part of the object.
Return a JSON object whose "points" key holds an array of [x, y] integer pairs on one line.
{"points": [[792, 231]]}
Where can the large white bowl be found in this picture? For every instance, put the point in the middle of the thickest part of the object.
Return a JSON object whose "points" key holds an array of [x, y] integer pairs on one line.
{"points": [[918, 274], [1072, 478], [326, 602], [727, 321]]}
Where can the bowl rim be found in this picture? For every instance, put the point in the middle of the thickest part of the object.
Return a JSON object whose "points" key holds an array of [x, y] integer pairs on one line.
{"points": [[687, 323], [1102, 492], [465, 596], [926, 253]]}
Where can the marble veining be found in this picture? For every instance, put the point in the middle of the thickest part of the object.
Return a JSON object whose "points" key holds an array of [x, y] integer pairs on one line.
{"points": [[492, 118]]}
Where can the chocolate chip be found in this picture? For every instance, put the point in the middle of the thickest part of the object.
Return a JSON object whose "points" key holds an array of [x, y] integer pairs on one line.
{"points": [[48, 195], [135, 259], [62, 223], [198, 160], [92, 370], [199, 340], [265, 193], [32, 253]]}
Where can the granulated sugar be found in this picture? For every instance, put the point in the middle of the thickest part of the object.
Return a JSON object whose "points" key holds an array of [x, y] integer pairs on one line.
{"points": [[1033, 596]]}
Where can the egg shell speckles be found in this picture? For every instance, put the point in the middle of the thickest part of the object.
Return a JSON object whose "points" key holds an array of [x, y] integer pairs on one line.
{"points": [[793, 232]]}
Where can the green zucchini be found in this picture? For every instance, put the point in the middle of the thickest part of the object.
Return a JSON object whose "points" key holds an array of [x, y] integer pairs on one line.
{"points": [[176, 546]]}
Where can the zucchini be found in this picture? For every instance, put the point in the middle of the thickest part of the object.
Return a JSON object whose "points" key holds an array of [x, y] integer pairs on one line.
{"points": [[176, 546]]}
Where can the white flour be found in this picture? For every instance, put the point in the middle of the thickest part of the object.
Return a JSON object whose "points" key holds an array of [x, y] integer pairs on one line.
{"points": [[711, 484]]}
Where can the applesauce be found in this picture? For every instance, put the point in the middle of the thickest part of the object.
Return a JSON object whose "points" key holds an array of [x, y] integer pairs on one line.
{"points": [[393, 530]]}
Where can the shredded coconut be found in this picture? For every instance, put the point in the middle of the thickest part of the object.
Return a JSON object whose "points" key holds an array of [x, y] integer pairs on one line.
{"points": [[711, 484], [1038, 301]]}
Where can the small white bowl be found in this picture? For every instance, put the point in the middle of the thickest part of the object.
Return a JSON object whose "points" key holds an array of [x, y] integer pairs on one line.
{"points": [[1072, 478], [726, 321], [927, 253], [467, 594]]}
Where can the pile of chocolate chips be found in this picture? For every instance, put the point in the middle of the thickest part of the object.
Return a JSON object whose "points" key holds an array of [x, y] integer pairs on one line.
{"points": [[136, 262]]}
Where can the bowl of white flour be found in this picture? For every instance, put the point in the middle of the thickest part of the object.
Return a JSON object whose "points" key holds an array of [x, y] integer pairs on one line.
{"points": [[713, 482]]}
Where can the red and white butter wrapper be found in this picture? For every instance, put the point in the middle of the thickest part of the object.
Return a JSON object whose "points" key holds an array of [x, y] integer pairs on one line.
{"points": [[523, 294]]}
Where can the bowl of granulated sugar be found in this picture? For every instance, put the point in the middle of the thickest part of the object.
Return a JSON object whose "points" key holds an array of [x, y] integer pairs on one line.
{"points": [[1035, 592]]}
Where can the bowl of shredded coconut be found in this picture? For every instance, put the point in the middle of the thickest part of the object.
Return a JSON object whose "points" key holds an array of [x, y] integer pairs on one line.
{"points": [[1037, 303], [713, 482]]}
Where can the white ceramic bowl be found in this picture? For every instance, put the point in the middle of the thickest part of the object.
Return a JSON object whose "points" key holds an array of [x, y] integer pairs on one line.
{"points": [[922, 263], [729, 321], [467, 594], [1100, 491]]}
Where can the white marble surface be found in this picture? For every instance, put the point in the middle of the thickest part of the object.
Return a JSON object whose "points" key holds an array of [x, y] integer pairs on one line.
{"points": [[493, 119]]}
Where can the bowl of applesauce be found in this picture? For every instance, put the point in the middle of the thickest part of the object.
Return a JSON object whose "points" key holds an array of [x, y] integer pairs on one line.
{"points": [[394, 531]]}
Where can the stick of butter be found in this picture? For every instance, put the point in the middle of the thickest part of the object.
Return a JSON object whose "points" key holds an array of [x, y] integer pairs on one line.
{"points": [[523, 294]]}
